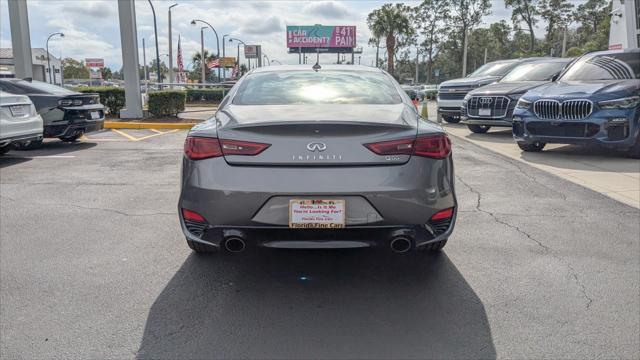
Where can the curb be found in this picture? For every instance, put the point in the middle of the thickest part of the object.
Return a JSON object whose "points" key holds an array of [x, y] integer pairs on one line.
{"points": [[146, 125]]}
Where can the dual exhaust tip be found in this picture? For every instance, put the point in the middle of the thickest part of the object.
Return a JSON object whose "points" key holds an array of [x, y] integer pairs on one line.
{"points": [[399, 244]]}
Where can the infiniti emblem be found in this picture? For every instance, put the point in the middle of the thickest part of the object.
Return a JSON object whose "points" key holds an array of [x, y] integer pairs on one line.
{"points": [[316, 146], [485, 100]]}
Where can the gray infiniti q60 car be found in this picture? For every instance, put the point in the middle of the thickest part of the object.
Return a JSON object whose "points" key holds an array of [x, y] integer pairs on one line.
{"points": [[325, 157]]}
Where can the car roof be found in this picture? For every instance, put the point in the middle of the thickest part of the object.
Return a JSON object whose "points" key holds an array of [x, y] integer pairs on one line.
{"points": [[607, 52], [278, 68], [551, 60]]}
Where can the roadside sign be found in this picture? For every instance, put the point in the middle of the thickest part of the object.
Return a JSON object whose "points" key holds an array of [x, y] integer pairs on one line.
{"points": [[228, 62], [316, 36], [95, 75], [251, 51], [94, 63]]}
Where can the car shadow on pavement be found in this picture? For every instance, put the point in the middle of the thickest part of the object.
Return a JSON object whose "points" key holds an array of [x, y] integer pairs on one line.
{"points": [[55, 147], [317, 304]]}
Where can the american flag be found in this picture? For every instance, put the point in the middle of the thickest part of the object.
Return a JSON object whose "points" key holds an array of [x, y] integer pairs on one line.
{"points": [[234, 73], [181, 76], [213, 63]]}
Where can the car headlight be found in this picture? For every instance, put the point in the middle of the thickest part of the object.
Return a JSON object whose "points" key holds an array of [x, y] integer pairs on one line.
{"points": [[523, 104], [515, 96], [622, 103]]}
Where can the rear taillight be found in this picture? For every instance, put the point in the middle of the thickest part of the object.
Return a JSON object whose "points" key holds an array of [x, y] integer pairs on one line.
{"points": [[197, 148], [433, 146], [236, 147]]}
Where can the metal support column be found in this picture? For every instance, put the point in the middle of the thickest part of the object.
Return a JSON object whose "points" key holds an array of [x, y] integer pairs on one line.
{"points": [[21, 39], [130, 63]]}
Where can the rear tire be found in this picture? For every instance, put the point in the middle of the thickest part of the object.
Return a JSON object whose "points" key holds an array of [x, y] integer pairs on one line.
{"points": [[535, 146], [479, 129], [29, 145], [435, 246], [451, 119], [70, 139], [200, 248]]}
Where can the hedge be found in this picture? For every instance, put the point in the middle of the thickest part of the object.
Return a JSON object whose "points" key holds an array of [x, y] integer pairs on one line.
{"points": [[431, 94], [166, 103], [111, 97], [205, 95]]}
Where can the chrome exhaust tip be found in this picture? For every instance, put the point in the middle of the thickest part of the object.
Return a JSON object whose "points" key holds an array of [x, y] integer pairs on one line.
{"points": [[400, 244], [234, 244]]}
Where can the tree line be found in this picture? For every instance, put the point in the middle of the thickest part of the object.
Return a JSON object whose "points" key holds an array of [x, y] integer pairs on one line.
{"points": [[440, 28]]}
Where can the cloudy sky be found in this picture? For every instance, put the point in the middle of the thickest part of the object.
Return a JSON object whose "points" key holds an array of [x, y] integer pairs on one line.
{"points": [[91, 26]]}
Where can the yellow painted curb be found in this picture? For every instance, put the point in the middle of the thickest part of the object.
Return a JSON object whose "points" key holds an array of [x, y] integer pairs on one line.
{"points": [[146, 125]]}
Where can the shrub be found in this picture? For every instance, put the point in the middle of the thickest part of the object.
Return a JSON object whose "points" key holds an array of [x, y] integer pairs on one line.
{"points": [[431, 94], [111, 97], [166, 103], [205, 95]]}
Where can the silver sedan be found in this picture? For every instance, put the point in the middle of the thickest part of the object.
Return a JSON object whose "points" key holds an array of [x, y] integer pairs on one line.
{"points": [[334, 156]]}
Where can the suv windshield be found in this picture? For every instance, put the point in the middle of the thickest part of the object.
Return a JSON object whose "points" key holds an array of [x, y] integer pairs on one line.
{"points": [[605, 67], [537, 71], [322, 87], [497, 68]]}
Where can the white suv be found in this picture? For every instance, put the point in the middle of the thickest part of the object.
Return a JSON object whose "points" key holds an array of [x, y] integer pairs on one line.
{"points": [[19, 121]]}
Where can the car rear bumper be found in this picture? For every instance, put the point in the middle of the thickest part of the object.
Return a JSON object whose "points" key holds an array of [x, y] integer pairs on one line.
{"points": [[74, 128], [18, 139], [379, 200]]}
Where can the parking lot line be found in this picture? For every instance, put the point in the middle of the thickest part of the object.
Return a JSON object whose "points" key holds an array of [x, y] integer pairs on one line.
{"points": [[122, 133]]}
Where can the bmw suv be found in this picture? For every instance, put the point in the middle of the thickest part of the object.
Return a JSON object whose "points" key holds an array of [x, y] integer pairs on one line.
{"points": [[596, 100]]}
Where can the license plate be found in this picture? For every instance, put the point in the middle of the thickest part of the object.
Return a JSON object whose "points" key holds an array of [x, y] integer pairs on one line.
{"points": [[19, 110], [484, 112], [95, 115], [316, 214]]}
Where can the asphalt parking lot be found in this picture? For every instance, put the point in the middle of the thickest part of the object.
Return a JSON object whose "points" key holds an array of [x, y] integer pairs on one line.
{"points": [[93, 265]]}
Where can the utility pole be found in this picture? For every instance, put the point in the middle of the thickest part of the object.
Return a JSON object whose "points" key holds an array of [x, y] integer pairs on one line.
{"points": [[415, 80], [464, 54], [144, 61], [564, 42], [155, 30], [170, 50], [485, 55]]}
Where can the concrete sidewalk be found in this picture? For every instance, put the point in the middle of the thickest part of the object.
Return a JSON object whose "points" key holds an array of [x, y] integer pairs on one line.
{"points": [[605, 171]]}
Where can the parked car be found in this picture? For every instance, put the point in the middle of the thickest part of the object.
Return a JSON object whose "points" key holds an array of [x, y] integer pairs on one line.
{"points": [[493, 104], [596, 100], [19, 121], [343, 158], [66, 114], [452, 92]]}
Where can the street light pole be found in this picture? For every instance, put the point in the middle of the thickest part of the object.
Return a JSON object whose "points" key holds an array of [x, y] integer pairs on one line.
{"points": [[202, 59], [48, 60], [224, 70], [239, 42], [170, 49], [193, 22], [155, 30]]}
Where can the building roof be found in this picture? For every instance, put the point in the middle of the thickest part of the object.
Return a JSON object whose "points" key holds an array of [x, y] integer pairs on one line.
{"points": [[7, 53]]}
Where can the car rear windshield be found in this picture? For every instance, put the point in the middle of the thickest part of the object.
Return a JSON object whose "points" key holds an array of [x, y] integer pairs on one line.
{"points": [[538, 71], [43, 87], [605, 67], [322, 87], [497, 68]]}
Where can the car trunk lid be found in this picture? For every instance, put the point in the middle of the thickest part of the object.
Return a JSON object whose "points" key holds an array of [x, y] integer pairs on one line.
{"points": [[316, 135]]}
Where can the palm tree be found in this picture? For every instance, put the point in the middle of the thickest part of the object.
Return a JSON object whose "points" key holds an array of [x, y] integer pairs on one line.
{"points": [[196, 61], [390, 22]]}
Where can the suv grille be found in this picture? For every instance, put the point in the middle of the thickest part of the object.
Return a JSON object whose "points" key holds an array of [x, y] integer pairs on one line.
{"points": [[567, 129], [576, 109], [488, 106], [567, 110]]}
